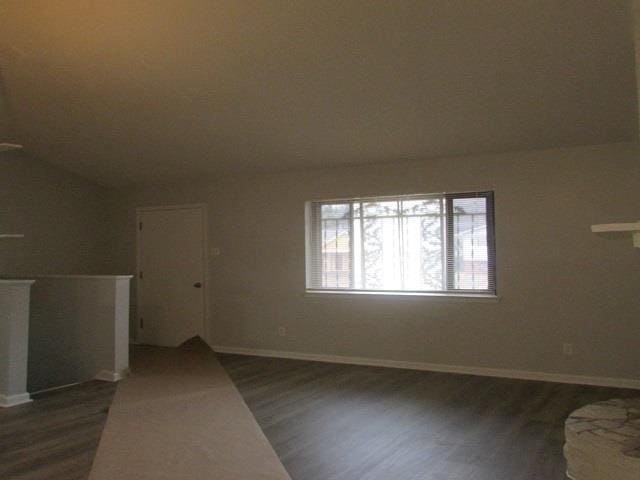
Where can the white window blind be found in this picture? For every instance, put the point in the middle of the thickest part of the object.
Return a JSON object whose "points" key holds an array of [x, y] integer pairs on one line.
{"points": [[414, 243]]}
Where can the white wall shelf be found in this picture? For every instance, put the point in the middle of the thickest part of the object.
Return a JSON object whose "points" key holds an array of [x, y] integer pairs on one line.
{"points": [[620, 228], [11, 235], [8, 147]]}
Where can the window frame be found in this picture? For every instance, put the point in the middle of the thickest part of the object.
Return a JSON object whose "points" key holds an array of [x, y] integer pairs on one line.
{"points": [[313, 249]]}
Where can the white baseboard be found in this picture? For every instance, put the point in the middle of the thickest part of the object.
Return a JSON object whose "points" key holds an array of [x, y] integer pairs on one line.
{"points": [[52, 389], [112, 376], [631, 383], [13, 400]]}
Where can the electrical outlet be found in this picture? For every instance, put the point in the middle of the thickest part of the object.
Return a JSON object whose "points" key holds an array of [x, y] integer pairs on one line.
{"points": [[567, 348], [282, 331]]}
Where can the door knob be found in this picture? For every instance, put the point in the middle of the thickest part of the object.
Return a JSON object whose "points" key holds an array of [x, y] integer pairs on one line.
{"points": [[197, 285]]}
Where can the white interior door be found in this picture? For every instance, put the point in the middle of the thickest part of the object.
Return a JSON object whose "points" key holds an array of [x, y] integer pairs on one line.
{"points": [[171, 252]]}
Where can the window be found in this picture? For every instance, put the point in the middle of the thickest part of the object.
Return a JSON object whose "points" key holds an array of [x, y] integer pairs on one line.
{"points": [[439, 243]]}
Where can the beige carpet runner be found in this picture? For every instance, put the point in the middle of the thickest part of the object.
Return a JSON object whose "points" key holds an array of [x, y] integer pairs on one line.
{"points": [[179, 416]]}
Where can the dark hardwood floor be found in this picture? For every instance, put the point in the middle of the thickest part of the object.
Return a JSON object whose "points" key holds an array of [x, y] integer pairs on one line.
{"points": [[337, 422], [341, 422], [55, 437]]}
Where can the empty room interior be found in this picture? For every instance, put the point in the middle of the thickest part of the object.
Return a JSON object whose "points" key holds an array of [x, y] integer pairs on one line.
{"points": [[320, 240]]}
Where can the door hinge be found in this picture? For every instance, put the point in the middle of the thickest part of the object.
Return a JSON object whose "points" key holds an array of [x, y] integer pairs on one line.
{"points": [[141, 322], [139, 225], [141, 275]]}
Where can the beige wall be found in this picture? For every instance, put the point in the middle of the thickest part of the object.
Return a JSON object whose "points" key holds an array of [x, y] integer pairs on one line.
{"points": [[636, 35], [61, 215], [558, 282]]}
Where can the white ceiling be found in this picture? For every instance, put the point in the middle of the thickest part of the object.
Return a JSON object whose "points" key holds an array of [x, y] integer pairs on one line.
{"points": [[128, 92]]}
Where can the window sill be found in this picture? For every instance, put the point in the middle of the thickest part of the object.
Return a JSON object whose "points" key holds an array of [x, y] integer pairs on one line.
{"points": [[442, 297]]}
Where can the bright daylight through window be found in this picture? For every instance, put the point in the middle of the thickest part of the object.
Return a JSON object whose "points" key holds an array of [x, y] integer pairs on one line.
{"points": [[437, 243]]}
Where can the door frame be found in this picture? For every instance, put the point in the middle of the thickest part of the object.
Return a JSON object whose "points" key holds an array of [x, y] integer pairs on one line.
{"points": [[205, 263]]}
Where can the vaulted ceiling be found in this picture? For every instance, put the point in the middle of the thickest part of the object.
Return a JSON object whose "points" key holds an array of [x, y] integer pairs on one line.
{"points": [[127, 91]]}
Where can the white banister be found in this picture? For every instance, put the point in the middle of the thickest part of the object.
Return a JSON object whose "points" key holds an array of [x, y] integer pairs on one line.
{"points": [[14, 331], [78, 330]]}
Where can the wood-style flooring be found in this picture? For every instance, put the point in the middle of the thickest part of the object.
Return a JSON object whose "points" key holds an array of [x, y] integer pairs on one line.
{"points": [[337, 422], [343, 422], [55, 437]]}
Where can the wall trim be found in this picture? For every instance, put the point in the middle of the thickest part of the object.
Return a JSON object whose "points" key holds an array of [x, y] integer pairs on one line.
{"points": [[631, 383], [112, 376], [58, 387], [13, 400]]}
